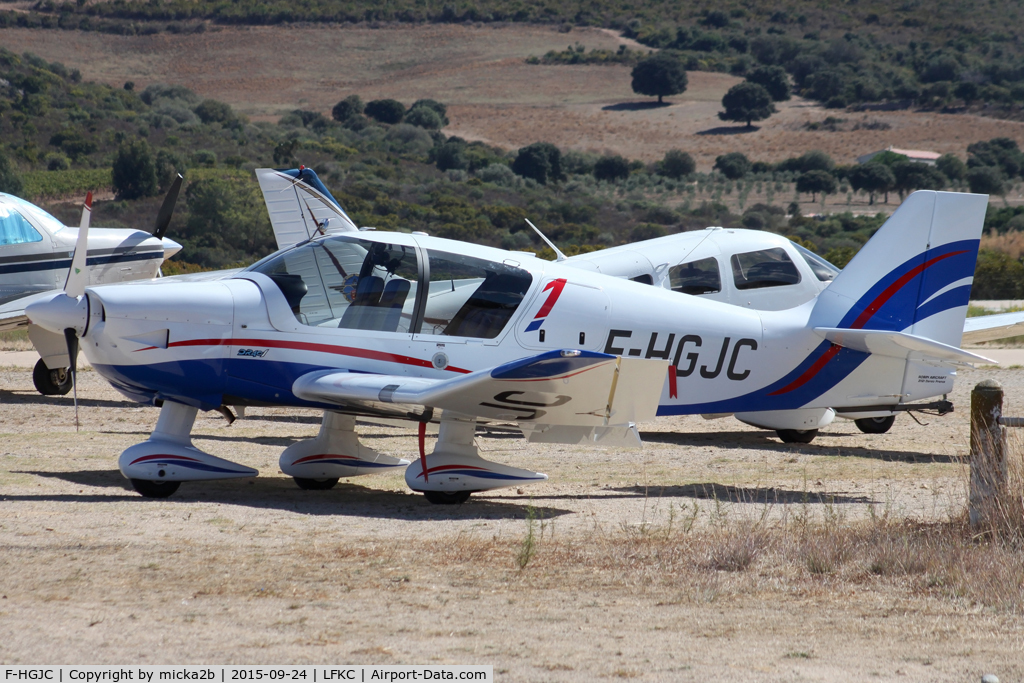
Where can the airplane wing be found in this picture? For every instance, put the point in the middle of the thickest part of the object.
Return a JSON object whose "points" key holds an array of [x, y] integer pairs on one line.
{"points": [[991, 327], [299, 209], [561, 396], [12, 313]]}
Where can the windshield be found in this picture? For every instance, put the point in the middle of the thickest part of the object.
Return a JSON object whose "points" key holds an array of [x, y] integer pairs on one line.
{"points": [[49, 223], [823, 270], [347, 283]]}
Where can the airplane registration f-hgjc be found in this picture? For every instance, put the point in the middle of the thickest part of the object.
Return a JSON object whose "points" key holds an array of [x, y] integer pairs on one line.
{"points": [[428, 329]]}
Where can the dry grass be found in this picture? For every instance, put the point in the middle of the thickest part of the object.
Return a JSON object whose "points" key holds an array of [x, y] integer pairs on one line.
{"points": [[15, 340], [1011, 243]]}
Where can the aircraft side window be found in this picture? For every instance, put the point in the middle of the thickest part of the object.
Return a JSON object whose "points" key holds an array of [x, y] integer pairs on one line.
{"points": [[471, 297], [822, 269], [345, 283], [696, 277], [765, 268], [15, 229]]}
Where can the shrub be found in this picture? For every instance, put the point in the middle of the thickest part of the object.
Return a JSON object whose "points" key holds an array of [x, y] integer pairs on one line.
{"points": [[451, 155], [677, 164], [611, 168], [385, 111], [10, 180], [347, 108], [55, 161], [499, 174], [434, 106], [424, 118], [134, 173], [540, 161], [997, 276], [212, 111], [733, 165]]}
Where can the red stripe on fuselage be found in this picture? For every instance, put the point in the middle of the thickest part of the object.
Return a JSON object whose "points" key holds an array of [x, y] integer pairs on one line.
{"points": [[810, 372], [319, 348], [556, 287]]}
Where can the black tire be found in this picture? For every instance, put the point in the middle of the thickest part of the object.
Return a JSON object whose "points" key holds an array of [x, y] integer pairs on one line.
{"points": [[875, 425], [315, 484], [51, 382], [155, 489], [446, 498], [797, 435]]}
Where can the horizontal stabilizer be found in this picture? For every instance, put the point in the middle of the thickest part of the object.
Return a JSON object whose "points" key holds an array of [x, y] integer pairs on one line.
{"points": [[992, 327], [568, 388], [898, 345]]}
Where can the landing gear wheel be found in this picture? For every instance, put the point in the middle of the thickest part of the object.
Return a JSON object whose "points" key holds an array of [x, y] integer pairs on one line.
{"points": [[797, 435], [51, 382], [315, 484], [445, 498], [155, 489], [875, 425]]}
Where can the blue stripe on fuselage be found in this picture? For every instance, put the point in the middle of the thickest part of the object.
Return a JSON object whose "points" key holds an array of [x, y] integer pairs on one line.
{"points": [[65, 263]]}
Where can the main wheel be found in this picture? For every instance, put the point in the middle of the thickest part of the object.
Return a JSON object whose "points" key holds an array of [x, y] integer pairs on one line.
{"points": [[445, 498], [315, 484], [875, 425], [51, 382], [155, 489], [797, 435]]}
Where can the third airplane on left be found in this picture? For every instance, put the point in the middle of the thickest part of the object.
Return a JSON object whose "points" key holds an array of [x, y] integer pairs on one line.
{"points": [[35, 259]]}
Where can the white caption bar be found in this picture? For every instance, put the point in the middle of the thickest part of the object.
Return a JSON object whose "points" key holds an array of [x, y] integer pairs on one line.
{"points": [[244, 674]]}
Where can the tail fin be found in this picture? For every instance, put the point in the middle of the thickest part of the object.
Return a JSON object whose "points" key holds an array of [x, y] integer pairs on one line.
{"points": [[299, 205], [915, 274]]}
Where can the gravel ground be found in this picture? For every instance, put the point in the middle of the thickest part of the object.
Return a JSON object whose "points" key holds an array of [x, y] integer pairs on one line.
{"points": [[248, 571]]}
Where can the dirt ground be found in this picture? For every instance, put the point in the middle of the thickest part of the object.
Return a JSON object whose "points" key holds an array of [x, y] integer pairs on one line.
{"points": [[492, 94], [258, 571]]}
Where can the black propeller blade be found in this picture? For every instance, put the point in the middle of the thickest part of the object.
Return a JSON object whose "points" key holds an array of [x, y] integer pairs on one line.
{"points": [[71, 337], [163, 218]]}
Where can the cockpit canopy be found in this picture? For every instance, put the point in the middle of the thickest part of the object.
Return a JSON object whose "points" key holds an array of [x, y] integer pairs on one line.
{"points": [[351, 283]]}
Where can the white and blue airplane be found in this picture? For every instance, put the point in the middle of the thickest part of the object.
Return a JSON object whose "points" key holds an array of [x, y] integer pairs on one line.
{"points": [[414, 327], [35, 256]]}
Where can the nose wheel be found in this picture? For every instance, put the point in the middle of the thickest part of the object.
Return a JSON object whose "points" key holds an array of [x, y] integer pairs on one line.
{"points": [[49, 382], [797, 435], [447, 498], [155, 489]]}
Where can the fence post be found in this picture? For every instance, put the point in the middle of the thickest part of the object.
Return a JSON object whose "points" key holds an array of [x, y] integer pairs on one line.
{"points": [[988, 456]]}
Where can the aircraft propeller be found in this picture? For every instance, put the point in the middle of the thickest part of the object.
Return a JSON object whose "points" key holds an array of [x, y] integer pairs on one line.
{"points": [[74, 288], [163, 217]]}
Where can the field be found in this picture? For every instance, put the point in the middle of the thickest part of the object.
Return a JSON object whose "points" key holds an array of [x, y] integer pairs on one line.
{"points": [[493, 95], [715, 552]]}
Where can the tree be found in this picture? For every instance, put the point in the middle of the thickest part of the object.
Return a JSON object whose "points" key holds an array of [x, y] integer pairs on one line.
{"points": [[134, 172], [541, 161], [774, 79], [611, 168], [911, 175], [997, 275], [951, 167], [659, 75], [227, 223], [385, 111], [677, 164], [986, 180], [347, 108], [814, 182], [733, 165], [872, 178], [747, 102], [10, 180]]}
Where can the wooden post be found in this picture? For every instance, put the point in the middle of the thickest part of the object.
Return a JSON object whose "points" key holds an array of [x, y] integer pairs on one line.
{"points": [[988, 452]]}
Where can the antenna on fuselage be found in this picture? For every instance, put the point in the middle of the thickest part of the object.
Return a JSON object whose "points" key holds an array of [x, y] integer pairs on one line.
{"points": [[559, 256]]}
